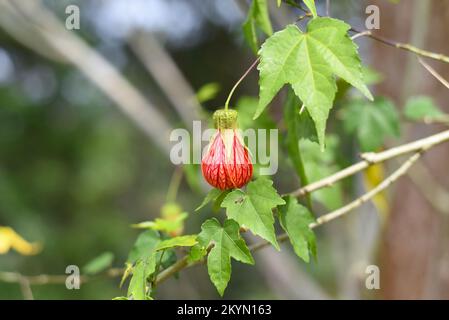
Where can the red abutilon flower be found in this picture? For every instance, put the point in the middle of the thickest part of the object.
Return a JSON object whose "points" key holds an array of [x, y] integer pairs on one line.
{"points": [[226, 164]]}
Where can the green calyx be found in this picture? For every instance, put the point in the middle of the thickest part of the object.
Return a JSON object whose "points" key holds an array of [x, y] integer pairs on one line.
{"points": [[225, 119]]}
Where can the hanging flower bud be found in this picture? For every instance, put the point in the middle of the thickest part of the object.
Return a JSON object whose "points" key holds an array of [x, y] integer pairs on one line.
{"points": [[226, 163]]}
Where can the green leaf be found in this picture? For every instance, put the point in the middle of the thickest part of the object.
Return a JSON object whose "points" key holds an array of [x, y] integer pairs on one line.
{"points": [[258, 16], [100, 263], [305, 128], [197, 252], [141, 271], [227, 243], [372, 122], [165, 225], [253, 209], [279, 3], [208, 92], [212, 195], [168, 258], [181, 241], [295, 220], [308, 62], [311, 5], [420, 108], [144, 246], [292, 118]]}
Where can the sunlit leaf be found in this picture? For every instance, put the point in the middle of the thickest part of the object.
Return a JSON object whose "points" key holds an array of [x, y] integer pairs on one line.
{"points": [[308, 62], [253, 208], [181, 241]]}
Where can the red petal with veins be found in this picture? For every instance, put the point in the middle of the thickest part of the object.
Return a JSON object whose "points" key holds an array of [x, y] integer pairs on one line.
{"points": [[226, 163]]}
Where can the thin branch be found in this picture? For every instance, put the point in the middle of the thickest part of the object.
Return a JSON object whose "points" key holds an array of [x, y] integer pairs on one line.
{"points": [[405, 46], [26, 288], [44, 279], [434, 73], [441, 119], [360, 34], [373, 158], [370, 194], [175, 268]]}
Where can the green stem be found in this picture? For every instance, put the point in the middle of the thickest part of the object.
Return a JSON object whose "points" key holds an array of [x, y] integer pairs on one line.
{"points": [[303, 177], [291, 113], [158, 267], [174, 184], [238, 82]]}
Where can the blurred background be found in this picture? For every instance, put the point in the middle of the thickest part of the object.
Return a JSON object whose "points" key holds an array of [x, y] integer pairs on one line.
{"points": [[84, 151]]}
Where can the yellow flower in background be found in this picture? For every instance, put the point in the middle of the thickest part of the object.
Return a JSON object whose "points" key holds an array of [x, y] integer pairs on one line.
{"points": [[372, 176], [9, 239]]}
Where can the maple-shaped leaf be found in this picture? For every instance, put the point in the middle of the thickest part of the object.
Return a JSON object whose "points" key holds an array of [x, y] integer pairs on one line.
{"points": [[295, 220], [308, 62], [226, 243], [372, 122], [253, 208]]}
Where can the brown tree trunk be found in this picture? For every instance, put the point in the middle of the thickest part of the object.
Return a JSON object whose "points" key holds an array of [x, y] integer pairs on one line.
{"points": [[414, 250]]}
